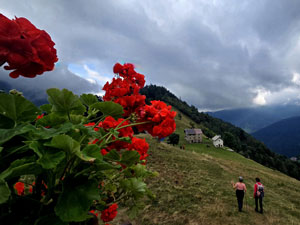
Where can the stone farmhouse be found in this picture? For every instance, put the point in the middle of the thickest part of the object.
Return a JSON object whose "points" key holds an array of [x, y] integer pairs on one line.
{"points": [[193, 135], [217, 141]]}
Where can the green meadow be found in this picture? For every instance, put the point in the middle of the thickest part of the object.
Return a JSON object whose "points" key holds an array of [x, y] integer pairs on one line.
{"points": [[194, 187]]}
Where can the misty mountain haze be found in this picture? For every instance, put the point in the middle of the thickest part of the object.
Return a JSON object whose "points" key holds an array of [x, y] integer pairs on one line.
{"points": [[255, 118], [35, 89]]}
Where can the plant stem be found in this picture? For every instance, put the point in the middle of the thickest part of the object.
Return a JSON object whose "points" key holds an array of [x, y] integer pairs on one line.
{"points": [[69, 163]]}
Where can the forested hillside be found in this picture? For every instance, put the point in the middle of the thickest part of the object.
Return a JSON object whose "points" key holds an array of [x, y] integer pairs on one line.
{"points": [[282, 137], [233, 137]]}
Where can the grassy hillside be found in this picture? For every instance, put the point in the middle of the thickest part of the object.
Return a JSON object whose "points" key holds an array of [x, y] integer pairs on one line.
{"points": [[193, 187]]}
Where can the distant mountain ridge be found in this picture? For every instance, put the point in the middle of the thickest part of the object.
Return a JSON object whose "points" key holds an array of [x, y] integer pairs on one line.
{"points": [[256, 118], [282, 137]]}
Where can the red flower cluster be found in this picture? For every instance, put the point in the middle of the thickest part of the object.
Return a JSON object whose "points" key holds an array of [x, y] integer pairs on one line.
{"points": [[20, 188], [161, 119], [39, 116], [157, 118], [27, 50], [108, 123], [110, 213], [141, 146], [125, 89], [127, 72]]}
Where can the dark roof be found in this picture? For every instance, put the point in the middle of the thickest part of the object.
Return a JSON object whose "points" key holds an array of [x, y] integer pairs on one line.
{"points": [[193, 131]]}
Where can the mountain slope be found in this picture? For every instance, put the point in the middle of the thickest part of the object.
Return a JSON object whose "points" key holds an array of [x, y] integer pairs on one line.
{"points": [[193, 187], [233, 137], [282, 137], [253, 119]]}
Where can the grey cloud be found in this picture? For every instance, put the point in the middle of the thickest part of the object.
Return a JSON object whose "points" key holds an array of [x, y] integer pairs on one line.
{"points": [[212, 55], [35, 88]]}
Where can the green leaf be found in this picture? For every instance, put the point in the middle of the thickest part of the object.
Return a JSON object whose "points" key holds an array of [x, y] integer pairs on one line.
{"points": [[75, 200], [65, 102], [134, 187], [15, 170], [92, 151], [45, 133], [49, 158], [112, 155], [140, 171], [4, 191], [46, 108], [17, 108], [1, 148], [130, 158], [36, 147], [69, 145], [52, 120], [6, 123], [77, 119], [88, 131], [65, 143], [50, 220], [109, 109], [88, 99], [7, 134], [111, 188]]}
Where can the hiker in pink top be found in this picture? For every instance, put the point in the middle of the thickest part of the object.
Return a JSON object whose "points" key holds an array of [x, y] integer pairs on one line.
{"points": [[240, 188]]}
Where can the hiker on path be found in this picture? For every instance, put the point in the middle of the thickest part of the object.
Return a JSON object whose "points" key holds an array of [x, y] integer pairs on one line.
{"points": [[240, 188], [259, 194]]}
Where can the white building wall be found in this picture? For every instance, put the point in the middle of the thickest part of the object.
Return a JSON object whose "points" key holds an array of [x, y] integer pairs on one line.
{"points": [[218, 143]]}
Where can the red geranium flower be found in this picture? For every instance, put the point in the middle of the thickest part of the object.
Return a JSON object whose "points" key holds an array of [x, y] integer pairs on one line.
{"points": [[39, 116], [103, 151], [141, 146], [161, 119], [110, 213], [125, 88], [19, 186], [27, 50], [110, 122]]}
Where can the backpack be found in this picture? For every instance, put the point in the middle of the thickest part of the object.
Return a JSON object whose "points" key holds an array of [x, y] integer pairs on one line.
{"points": [[260, 190]]}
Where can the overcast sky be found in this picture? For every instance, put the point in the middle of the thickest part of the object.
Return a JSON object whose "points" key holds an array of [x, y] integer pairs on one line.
{"points": [[214, 54]]}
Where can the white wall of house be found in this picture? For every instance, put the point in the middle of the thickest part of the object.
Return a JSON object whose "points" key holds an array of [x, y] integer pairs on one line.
{"points": [[218, 143]]}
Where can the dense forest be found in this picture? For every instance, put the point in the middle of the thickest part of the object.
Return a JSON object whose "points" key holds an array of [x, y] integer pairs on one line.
{"points": [[233, 137]]}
